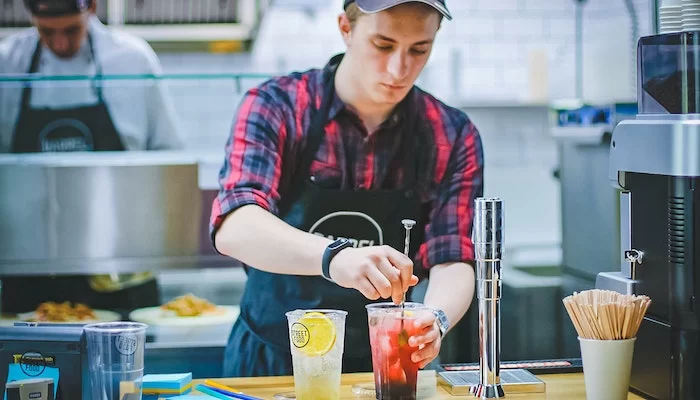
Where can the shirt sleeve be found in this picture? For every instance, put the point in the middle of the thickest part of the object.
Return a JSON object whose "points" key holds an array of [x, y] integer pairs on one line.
{"points": [[449, 228], [251, 170]]}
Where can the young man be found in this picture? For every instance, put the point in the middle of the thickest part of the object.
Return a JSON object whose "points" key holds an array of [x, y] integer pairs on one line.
{"points": [[348, 152], [68, 39]]}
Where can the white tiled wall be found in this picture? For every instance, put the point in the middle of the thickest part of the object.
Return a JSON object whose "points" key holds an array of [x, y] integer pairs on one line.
{"points": [[492, 42], [206, 105]]}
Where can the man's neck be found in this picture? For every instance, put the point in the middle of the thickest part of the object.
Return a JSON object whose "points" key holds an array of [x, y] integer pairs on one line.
{"points": [[371, 113]]}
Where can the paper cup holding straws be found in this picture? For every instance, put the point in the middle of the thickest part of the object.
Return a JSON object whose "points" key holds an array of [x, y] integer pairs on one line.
{"points": [[607, 323]]}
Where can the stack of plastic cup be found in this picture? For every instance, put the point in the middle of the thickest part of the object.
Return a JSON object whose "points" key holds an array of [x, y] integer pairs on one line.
{"points": [[671, 16], [691, 15], [116, 356]]}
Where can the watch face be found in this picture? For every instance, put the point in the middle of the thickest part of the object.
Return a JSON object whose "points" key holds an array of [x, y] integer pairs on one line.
{"points": [[339, 243]]}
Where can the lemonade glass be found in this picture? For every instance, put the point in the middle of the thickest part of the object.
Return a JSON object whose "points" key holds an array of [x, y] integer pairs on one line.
{"points": [[390, 326], [316, 340]]}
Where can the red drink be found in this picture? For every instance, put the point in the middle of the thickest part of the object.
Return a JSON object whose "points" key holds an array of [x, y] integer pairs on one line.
{"points": [[395, 375]]}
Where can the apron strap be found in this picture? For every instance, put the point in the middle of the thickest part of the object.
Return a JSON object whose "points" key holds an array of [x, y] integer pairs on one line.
{"points": [[313, 140], [318, 122], [98, 70], [34, 67], [412, 135]]}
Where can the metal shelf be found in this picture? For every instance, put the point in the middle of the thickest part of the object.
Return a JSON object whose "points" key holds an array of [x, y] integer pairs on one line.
{"points": [[177, 33], [248, 14]]}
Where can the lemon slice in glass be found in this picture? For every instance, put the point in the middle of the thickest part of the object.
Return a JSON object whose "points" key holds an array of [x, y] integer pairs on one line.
{"points": [[313, 334]]}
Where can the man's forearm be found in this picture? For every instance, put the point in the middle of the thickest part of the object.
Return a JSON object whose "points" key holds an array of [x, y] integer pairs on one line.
{"points": [[256, 237], [451, 289]]}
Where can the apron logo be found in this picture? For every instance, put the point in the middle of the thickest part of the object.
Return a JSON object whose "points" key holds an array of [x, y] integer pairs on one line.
{"points": [[300, 335], [65, 134], [350, 221], [354, 242]]}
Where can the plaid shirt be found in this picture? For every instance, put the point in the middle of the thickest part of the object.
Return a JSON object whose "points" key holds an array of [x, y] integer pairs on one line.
{"points": [[267, 140]]}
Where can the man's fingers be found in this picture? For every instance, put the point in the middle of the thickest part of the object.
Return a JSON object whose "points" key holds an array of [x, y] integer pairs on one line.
{"points": [[424, 321], [380, 282], [367, 289], [403, 264], [427, 354], [394, 277], [426, 337]]}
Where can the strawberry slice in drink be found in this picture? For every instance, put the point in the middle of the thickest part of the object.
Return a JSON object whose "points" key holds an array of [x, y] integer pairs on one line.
{"points": [[395, 373]]}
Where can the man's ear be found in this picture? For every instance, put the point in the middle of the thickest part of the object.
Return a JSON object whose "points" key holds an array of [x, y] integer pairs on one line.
{"points": [[345, 28], [93, 7]]}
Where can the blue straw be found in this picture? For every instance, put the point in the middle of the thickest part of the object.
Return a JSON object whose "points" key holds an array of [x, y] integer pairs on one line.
{"points": [[223, 394]]}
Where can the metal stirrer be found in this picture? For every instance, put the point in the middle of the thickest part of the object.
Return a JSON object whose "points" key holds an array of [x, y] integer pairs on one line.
{"points": [[408, 224]]}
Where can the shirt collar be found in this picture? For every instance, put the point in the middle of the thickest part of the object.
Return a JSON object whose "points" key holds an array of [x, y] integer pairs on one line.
{"points": [[337, 105]]}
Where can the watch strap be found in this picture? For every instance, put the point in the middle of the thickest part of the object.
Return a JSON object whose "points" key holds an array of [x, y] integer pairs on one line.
{"points": [[442, 322], [331, 251]]}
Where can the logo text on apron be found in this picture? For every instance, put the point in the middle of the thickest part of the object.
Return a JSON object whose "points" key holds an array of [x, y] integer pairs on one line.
{"points": [[372, 233], [66, 134]]}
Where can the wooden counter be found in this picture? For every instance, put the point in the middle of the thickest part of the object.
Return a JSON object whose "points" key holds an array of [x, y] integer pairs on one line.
{"points": [[559, 386]]}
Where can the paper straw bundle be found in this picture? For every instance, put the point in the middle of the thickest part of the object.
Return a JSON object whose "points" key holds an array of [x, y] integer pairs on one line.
{"points": [[606, 315]]}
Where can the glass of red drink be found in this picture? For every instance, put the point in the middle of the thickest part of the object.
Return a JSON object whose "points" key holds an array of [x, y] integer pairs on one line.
{"points": [[390, 326]]}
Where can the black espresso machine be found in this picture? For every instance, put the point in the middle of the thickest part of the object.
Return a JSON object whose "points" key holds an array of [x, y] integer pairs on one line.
{"points": [[655, 162]]}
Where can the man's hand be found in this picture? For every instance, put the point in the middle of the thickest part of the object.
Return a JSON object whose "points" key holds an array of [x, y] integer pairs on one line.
{"points": [[428, 340], [376, 271]]}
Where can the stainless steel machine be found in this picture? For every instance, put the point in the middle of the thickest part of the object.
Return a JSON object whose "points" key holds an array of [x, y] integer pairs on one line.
{"points": [[655, 163], [488, 382], [488, 245], [98, 213]]}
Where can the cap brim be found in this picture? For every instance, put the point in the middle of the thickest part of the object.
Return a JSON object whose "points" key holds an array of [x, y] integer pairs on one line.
{"points": [[373, 6]]}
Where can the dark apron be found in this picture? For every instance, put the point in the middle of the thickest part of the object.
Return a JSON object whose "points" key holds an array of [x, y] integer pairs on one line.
{"points": [[259, 342], [86, 128]]}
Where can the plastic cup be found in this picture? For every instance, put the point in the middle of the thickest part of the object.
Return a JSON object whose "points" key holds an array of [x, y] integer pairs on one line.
{"points": [[317, 339], [395, 374], [607, 365], [115, 356]]}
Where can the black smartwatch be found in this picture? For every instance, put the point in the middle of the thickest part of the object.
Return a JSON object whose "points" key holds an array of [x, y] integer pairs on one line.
{"points": [[330, 252]]}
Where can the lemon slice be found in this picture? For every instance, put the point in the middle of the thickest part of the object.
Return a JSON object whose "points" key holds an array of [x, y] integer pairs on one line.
{"points": [[314, 334]]}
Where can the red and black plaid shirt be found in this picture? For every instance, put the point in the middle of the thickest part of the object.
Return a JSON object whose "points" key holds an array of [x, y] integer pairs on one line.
{"points": [[271, 125]]}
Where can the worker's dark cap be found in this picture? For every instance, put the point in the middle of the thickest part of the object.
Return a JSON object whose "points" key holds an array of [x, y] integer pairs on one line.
{"points": [[373, 6], [54, 8]]}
